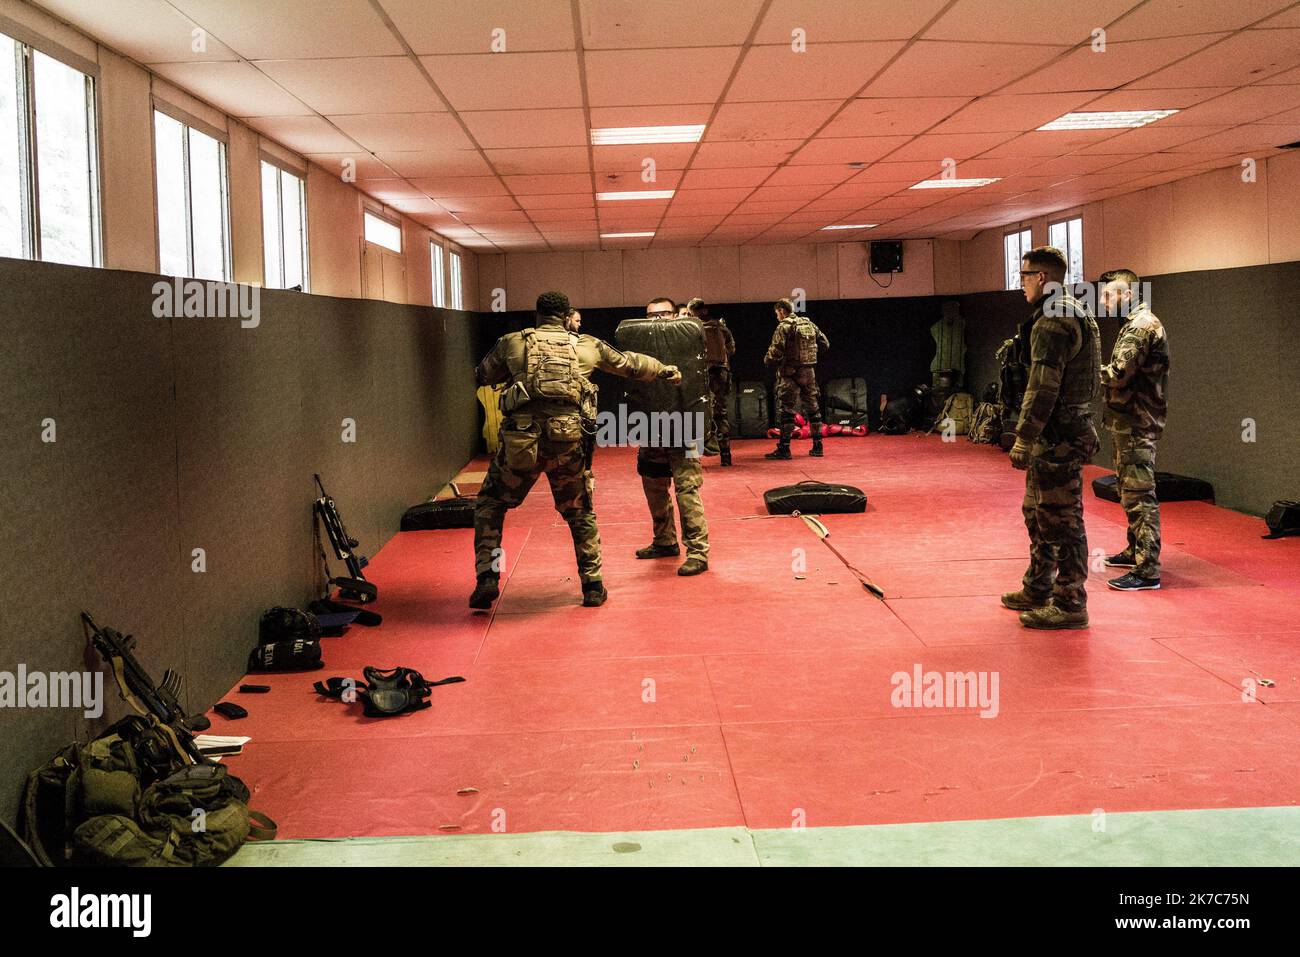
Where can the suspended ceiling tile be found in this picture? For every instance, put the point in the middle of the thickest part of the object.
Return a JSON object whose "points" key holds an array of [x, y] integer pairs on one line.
{"points": [[512, 129], [501, 81], [658, 76], [237, 88], [412, 163], [360, 85], [959, 69], [294, 29], [401, 132], [823, 71], [455, 26]]}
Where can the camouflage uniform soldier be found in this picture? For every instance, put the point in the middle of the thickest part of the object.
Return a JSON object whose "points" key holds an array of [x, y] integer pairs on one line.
{"points": [[1134, 411], [672, 472], [719, 346], [1054, 438], [793, 354], [550, 411]]}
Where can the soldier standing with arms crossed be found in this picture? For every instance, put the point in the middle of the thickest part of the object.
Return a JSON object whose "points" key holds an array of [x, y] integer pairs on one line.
{"points": [[1134, 411], [793, 354], [1054, 438], [549, 409]]}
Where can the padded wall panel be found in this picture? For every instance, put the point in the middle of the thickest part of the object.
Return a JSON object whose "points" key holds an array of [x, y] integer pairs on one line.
{"points": [[183, 433]]}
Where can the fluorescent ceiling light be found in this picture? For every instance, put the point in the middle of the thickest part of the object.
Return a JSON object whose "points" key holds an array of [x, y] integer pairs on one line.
{"points": [[625, 235], [635, 194], [1107, 120], [625, 135], [852, 226], [954, 183]]}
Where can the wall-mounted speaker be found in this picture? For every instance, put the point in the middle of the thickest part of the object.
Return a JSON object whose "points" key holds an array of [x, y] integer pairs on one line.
{"points": [[887, 256]]}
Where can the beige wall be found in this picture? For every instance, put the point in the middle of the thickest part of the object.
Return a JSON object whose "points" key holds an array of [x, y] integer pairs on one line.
{"points": [[125, 93], [1210, 221], [758, 273]]}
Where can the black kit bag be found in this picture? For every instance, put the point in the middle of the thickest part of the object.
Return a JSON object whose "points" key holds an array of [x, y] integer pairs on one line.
{"points": [[1283, 519], [1169, 488], [846, 402], [454, 512], [899, 415], [676, 342], [810, 497], [751, 412], [287, 624]]}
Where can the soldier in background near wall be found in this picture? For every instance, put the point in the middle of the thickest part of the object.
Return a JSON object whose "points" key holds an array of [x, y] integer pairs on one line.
{"points": [[1054, 438], [719, 346], [550, 417], [1134, 411], [793, 354]]}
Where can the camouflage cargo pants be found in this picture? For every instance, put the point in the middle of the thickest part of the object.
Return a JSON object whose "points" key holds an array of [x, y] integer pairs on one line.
{"points": [[720, 392], [565, 467], [1058, 544], [1135, 471], [797, 392], [659, 469]]}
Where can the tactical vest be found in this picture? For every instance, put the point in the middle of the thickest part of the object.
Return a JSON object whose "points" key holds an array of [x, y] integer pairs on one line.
{"points": [[801, 342], [551, 370], [1080, 380], [715, 342]]}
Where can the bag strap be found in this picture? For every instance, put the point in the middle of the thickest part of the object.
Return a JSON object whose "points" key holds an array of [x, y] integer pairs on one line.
{"points": [[334, 687], [261, 827]]}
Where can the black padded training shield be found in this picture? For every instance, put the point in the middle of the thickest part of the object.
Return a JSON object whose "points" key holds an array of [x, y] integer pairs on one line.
{"points": [[1169, 488], [677, 342], [815, 498], [751, 412], [447, 513]]}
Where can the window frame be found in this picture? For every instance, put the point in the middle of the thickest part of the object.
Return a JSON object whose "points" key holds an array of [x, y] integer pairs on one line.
{"points": [[188, 121], [456, 279], [282, 167], [374, 214], [27, 43], [1021, 240], [438, 274], [1066, 249]]}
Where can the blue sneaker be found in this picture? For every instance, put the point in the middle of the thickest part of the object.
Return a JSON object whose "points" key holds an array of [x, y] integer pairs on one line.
{"points": [[1132, 582]]}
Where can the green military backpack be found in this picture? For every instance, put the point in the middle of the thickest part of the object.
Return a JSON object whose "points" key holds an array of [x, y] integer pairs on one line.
{"points": [[131, 798], [960, 408]]}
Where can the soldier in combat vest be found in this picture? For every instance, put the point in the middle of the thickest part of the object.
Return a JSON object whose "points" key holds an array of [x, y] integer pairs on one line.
{"points": [[1134, 408], [719, 346], [793, 354], [548, 428], [1055, 436]]}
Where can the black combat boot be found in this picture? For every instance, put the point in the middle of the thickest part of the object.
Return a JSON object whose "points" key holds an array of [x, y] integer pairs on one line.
{"points": [[725, 447], [693, 566], [486, 592], [594, 594], [782, 450], [816, 449]]}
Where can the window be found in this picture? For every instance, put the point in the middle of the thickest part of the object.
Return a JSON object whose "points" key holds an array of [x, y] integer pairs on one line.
{"points": [[1016, 245], [284, 228], [1068, 238], [439, 278], [193, 201], [49, 164], [457, 299], [383, 233]]}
